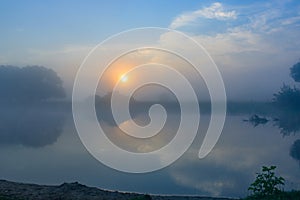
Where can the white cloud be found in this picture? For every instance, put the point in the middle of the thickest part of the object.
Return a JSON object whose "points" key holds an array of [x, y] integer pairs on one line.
{"points": [[263, 41], [214, 11], [291, 20]]}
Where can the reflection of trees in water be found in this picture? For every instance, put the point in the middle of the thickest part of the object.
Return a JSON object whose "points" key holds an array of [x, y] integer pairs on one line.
{"points": [[256, 120], [295, 150], [287, 103], [136, 108], [285, 111], [22, 122], [103, 107], [139, 114], [288, 123], [34, 126]]}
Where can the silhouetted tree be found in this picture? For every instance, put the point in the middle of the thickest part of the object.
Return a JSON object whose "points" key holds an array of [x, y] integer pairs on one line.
{"points": [[103, 106], [287, 102], [295, 150], [31, 83], [288, 98], [295, 72]]}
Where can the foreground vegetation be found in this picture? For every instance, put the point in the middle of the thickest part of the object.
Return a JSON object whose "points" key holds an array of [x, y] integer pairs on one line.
{"points": [[268, 186]]}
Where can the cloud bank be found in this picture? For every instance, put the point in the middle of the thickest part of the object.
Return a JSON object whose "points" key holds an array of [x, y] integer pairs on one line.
{"points": [[214, 11]]}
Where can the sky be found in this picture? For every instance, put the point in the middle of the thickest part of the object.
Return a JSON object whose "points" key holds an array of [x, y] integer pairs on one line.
{"points": [[253, 43]]}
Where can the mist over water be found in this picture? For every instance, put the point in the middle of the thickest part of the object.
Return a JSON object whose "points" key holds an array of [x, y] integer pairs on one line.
{"points": [[42, 146], [254, 46], [39, 143]]}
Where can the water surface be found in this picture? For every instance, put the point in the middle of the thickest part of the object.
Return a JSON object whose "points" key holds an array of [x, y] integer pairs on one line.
{"points": [[42, 146]]}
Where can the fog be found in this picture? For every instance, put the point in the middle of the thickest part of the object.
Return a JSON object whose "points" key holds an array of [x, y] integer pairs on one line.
{"points": [[247, 77], [45, 46]]}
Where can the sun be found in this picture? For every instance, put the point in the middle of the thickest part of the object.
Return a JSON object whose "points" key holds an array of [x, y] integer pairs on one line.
{"points": [[124, 78]]}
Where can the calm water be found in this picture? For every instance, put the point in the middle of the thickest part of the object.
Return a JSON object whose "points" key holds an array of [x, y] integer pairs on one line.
{"points": [[40, 145]]}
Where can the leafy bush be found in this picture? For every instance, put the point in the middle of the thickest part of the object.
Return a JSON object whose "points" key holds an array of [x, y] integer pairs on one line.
{"points": [[266, 183]]}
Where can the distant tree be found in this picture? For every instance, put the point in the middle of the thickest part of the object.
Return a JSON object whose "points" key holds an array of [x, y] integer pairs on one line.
{"points": [[288, 98], [295, 72], [103, 106], [295, 150], [31, 83]]}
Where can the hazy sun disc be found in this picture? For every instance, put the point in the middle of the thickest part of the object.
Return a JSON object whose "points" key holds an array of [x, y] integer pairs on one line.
{"points": [[124, 78]]}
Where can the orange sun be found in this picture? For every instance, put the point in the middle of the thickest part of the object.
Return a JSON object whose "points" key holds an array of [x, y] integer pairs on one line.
{"points": [[124, 78]]}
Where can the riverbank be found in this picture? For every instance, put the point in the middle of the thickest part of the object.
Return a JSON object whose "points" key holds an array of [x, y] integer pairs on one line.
{"points": [[76, 191]]}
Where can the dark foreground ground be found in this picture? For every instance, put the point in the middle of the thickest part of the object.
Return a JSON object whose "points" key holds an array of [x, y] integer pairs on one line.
{"points": [[75, 191]]}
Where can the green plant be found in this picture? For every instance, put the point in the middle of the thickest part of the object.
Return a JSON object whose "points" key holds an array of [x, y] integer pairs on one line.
{"points": [[266, 183]]}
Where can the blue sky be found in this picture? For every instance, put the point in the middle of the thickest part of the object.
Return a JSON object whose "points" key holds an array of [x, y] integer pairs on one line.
{"points": [[49, 23], [243, 37]]}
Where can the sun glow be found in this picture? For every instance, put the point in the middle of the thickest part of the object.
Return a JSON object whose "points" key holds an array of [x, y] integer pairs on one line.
{"points": [[124, 78]]}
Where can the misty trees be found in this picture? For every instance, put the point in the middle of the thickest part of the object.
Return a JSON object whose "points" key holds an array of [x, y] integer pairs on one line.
{"points": [[103, 106], [21, 120], [289, 97], [287, 102], [295, 150], [31, 83], [295, 72]]}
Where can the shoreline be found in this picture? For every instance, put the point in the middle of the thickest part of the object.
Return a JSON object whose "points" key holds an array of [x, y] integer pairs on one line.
{"points": [[72, 191]]}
